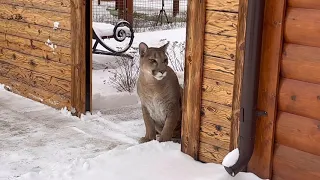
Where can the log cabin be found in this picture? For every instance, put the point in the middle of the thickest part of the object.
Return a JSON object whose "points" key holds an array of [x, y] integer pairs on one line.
{"points": [[251, 78], [252, 82]]}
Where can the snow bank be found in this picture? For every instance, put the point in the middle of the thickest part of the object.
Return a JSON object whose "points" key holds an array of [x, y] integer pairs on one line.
{"points": [[231, 158], [153, 160]]}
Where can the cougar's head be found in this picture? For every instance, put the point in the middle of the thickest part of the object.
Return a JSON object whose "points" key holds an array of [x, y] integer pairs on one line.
{"points": [[153, 61]]}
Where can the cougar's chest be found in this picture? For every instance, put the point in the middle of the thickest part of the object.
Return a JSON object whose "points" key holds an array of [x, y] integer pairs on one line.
{"points": [[157, 108]]}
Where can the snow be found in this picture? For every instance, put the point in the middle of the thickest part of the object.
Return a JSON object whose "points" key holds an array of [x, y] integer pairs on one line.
{"points": [[152, 160], [105, 29], [56, 25], [231, 158], [38, 142]]}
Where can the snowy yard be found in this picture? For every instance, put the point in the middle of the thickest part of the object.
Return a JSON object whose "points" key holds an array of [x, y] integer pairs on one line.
{"points": [[40, 143]]}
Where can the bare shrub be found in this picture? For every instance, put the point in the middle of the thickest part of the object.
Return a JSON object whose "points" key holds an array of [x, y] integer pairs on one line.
{"points": [[176, 55], [125, 76]]}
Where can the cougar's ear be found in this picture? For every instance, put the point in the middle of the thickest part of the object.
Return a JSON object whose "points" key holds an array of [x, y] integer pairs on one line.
{"points": [[164, 47], [143, 47]]}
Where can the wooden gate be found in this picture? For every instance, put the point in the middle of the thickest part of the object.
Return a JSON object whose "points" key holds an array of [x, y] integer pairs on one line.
{"points": [[288, 139], [45, 50]]}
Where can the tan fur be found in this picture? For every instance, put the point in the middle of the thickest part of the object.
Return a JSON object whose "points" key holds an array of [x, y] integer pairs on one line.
{"points": [[160, 95]]}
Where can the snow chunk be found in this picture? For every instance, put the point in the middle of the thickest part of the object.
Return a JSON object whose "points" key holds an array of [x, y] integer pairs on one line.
{"points": [[231, 158], [56, 25], [51, 45]]}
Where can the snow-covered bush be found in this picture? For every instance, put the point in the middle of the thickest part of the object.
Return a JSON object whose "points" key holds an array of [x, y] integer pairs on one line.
{"points": [[125, 76], [176, 55]]}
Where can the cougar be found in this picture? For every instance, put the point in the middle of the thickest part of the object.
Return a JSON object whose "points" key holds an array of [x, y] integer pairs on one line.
{"points": [[160, 94]]}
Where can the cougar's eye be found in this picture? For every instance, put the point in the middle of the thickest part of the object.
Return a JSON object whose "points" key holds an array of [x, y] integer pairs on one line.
{"points": [[165, 61], [152, 60]]}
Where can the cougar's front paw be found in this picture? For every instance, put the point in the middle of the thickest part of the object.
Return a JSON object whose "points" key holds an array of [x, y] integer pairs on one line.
{"points": [[143, 140], [164, 138]]}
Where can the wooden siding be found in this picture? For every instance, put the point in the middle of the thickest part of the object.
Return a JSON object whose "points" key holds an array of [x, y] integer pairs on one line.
{"points": [[31, 67], [220, 50]]}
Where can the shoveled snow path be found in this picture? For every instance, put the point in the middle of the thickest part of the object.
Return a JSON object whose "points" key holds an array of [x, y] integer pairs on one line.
{"points": [[34, 137]]}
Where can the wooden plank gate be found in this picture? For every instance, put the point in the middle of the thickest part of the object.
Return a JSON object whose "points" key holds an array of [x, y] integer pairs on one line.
{"points": [[43, 51]]}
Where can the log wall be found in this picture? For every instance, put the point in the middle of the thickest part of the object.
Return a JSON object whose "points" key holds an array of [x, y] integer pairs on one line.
{"points": [[41, 53], [297, 135], [287, 140]]}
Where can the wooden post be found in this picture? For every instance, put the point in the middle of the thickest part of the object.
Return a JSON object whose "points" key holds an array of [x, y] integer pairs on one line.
{"points": [[78, 55], [175, 7], [261, 160], [239, 61], [129, 11], [193, 77]]}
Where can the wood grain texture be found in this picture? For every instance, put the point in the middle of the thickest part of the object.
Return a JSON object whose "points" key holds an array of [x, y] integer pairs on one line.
{"points": [[223, 5], [35, 16], [221, 23], [217, 91], [300, 98], [298, 132], [37, 80], [211, 154], [215, 113], [193, 78], [307, 4], [238, 74], [287, 161], [220, 46], [261, 159], [35, 32], [302, 27], [275, 177], [36, 94], [35, 48], [219, 69], [36, 64], [56, 5], [78, 51], [301, 63], [215, 134]]}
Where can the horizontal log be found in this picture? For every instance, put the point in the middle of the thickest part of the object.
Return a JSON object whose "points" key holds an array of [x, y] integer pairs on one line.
{"points": [[211, 154], [217, 91], [308, 4], [220, 46], [215, 134], [300, 98], [30, 31], [223, 5], [35, 16], [56, 5], [298, 132], [293, 164], [51, 68], [37, 80], [219, 69], [36, 48], [216, 113], [302, 27], [301, 63], [39, 95], [221, 23]]}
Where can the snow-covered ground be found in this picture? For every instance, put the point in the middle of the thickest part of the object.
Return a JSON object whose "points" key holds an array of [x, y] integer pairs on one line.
{"points": [[40, 143]]}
